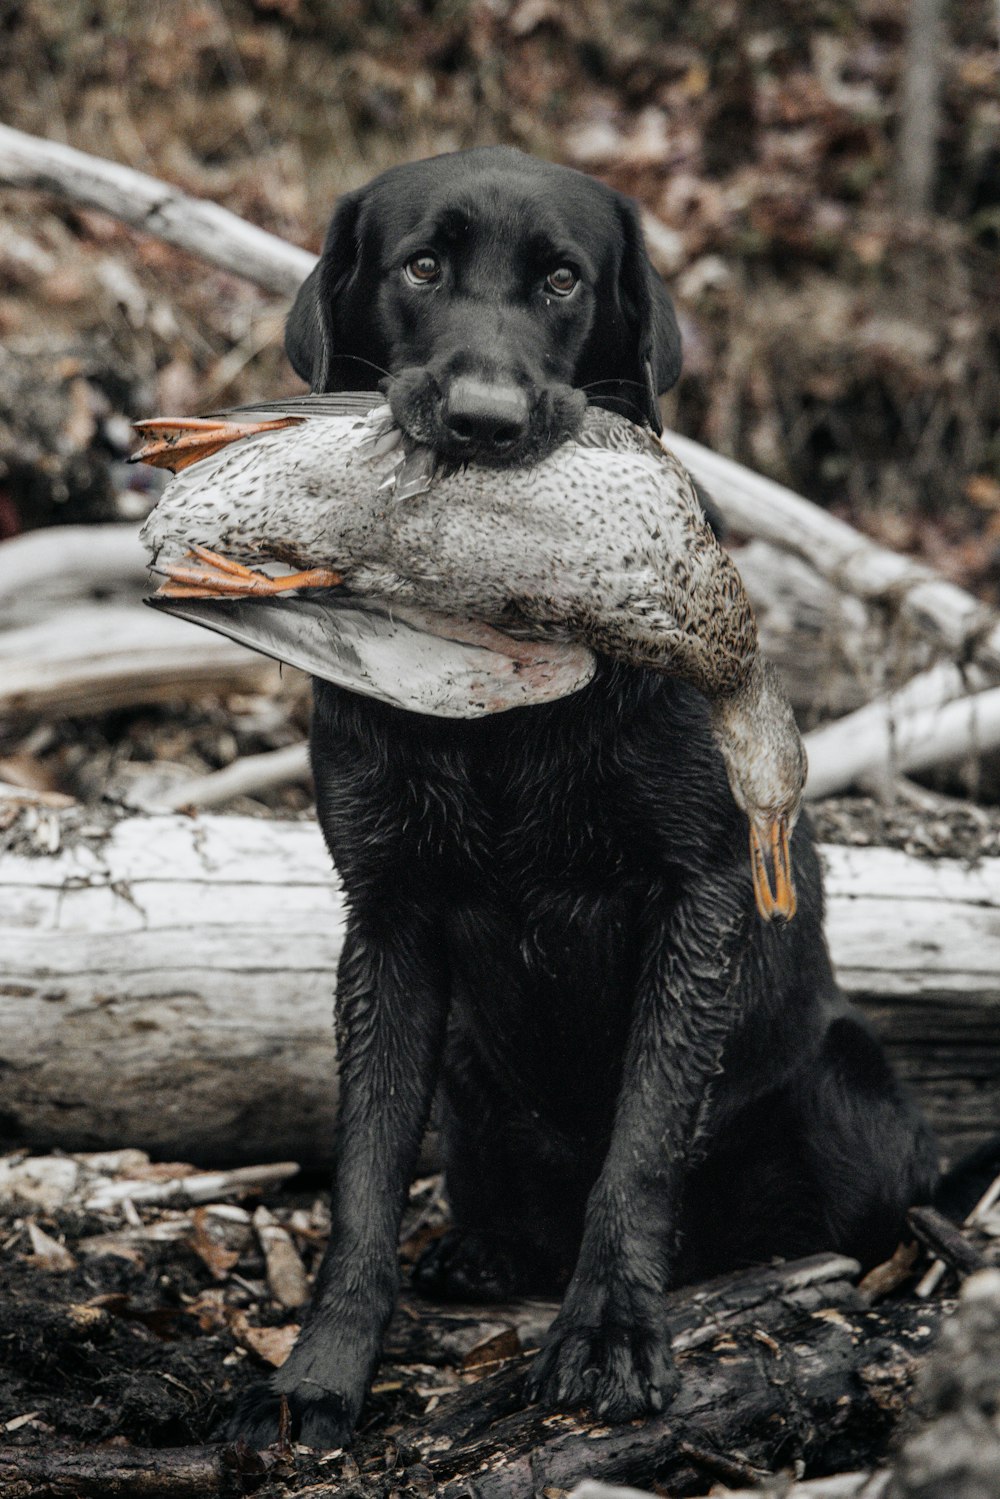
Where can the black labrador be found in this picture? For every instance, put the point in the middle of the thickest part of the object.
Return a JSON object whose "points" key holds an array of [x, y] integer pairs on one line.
{"points": [[551, 918]]}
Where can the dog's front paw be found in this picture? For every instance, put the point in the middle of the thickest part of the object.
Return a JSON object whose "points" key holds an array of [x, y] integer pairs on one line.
{"points": [[617, 1371], [319, 1418]]}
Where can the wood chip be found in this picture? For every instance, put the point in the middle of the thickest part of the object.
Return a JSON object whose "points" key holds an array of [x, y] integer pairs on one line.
{"points": [[286, 1274], [48, 1253], [209, 1244]]}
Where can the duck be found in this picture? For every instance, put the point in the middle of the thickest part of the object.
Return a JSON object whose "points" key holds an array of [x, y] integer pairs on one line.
{"points": [[602, 548]]}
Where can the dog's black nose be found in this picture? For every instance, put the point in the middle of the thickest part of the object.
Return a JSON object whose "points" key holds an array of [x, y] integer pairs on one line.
{"points": [[479, 413]]}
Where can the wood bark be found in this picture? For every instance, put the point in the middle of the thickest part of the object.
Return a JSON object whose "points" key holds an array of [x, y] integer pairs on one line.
{"points": [[130, 1472], [920, 112], [169, 981]]}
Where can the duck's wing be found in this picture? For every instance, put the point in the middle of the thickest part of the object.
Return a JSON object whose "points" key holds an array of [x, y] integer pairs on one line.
{"points": [[405, 657], [336, 403]]}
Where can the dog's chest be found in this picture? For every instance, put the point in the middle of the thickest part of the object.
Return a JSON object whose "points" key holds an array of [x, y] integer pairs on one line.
{"points": [[505, 822]]}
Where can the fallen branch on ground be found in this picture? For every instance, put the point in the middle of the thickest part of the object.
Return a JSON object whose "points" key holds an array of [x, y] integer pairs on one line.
{"points": [[755, 506], [937, 717], [244, 777], [142, 1472], [795, 1374], [47, 567]]}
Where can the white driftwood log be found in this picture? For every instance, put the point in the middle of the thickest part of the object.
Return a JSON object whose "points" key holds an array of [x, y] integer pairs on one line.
{"points": [[171, 984], [42, 568], [94, 658], [830, 648], [926, 723], [146, 203]]}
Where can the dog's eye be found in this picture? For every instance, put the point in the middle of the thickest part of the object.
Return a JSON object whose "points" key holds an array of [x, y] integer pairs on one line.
{"points": [[423, 268], [562, 280]]}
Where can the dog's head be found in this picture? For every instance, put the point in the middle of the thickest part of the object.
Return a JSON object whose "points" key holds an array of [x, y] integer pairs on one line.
{"points": [[491, 295]]}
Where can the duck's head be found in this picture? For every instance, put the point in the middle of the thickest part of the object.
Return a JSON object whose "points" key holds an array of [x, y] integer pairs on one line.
{"points": [[766, 764]]}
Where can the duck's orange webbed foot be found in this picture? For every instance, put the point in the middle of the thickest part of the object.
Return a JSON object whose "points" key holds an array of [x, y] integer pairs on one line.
{"points": [[220, 577], [182, 440], [771, 867]]}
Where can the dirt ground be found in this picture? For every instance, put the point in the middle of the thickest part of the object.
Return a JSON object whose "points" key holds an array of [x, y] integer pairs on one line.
{"points": [[109, 1337], [128, 1329]]}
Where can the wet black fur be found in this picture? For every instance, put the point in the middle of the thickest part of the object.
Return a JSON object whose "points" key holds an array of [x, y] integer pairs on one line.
{"points": [[551, 912]]}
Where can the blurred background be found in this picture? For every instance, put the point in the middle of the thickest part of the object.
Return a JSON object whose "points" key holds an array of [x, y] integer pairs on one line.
{"points": [[821, 188]]}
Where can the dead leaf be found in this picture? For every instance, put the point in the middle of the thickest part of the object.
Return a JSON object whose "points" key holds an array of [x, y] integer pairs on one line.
{"points": [[209, 1245], [272, 1344], [494, 1350]]}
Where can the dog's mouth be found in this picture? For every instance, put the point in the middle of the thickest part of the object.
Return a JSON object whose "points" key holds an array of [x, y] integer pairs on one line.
{"points": [[479, 424]]}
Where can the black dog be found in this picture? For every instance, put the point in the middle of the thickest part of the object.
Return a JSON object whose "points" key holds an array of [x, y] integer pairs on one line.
{"points": [[551, 910]]}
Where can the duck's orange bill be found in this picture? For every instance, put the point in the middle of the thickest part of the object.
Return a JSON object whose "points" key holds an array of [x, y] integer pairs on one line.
{"points": [[771, 867], [183, 440], [210, 576]]}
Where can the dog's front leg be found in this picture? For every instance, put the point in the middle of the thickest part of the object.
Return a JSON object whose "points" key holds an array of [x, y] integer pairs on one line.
{"points": [[391, 1002], [609, 1347]]}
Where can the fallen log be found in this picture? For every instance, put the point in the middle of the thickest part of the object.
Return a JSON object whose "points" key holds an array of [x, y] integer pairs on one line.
{"points": [[954, 1452], [740, 1341], [154, 207], [95, 658], [908, 729], [780, 1374], [961, 626], [42, 569], [169, 981], [826, 644]]}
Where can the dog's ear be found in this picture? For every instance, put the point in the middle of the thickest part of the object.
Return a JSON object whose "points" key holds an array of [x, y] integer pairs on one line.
{"points": [[311, 332], [652, 337]]}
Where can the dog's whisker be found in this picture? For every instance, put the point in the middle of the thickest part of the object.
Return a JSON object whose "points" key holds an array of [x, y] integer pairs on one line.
{"points": [[360, 359], [593, 384]]}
